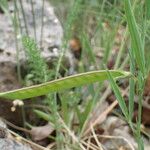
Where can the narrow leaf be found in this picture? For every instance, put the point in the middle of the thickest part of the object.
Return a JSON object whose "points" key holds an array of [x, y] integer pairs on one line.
{"points": [[43, 115], [147, 5], [132, 86], [119, 97], [62, 84], [135, 37]]}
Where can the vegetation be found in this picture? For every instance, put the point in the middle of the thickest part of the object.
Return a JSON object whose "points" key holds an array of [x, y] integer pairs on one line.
{"points": [[71, 100]]}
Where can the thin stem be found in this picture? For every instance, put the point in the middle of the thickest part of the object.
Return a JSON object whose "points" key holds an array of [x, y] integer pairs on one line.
{"points": [[15, 23], [24, 17], [121, 50], [42, 23], [33, 16]]}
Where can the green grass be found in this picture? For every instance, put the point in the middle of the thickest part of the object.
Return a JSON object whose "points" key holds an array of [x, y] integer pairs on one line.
{"points": [[77, 104]]}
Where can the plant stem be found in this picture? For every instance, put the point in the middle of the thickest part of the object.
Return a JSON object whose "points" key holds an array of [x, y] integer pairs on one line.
{"points": [[33, 16], [42, 23]]}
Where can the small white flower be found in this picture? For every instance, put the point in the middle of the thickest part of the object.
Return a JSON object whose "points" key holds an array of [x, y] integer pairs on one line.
{"points": [[13, 109], [18, 102]]}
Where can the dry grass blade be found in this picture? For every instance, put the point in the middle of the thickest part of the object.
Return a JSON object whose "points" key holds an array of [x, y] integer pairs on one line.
{"points": [[29, 142], [72, 134], [88, 143], [96, 139]]}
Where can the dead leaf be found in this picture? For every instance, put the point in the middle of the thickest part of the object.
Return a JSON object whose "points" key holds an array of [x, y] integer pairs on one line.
{"points": [[42, 132]]}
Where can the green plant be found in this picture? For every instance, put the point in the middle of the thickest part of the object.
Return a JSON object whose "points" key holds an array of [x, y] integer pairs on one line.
{"points": [[137, 60], [75, 105], [62, 84], [36, 64]]}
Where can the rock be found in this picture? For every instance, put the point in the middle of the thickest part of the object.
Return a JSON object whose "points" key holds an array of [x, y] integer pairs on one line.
{"points": [[52, 30], [119, 133], [7, 142]]}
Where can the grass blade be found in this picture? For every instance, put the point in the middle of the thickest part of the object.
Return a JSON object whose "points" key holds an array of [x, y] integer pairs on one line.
{"points": [[62, 84], [4, 6], [147, 5], [132, 86], [135, 37], [119, 97], [43, 115]]}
